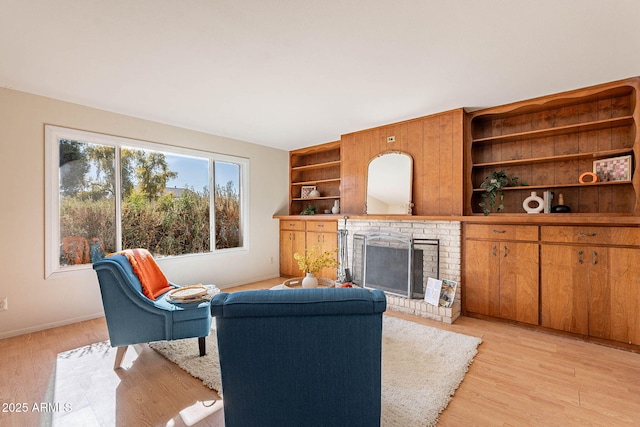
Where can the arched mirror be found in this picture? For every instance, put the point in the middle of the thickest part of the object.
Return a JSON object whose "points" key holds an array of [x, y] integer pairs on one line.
{"points": [[389, 179]]}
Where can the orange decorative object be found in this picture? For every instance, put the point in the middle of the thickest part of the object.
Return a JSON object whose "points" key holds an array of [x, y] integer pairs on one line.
{"points": [[75, 250], [593, 176]]}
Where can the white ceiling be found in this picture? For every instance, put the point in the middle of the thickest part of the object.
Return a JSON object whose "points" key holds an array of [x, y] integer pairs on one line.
{"points": [[294, 73]]}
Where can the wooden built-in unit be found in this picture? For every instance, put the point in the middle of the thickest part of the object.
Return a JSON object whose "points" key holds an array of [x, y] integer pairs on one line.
{"points": [[501, 271], [576, 272], [435, 144], [317, 166], [573, 273], [300, 236], [590, 282], [550, 141]]}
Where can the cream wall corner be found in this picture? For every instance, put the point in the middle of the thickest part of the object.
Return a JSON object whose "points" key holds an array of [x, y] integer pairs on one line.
{"points": [[37, 303]]}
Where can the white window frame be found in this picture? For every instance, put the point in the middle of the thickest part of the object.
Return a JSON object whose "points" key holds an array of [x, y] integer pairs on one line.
{"points": [[52, 191]]}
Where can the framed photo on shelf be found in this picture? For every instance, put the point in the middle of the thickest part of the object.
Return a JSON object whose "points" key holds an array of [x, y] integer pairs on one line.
{"points": [[305, 191], [613, 169]]}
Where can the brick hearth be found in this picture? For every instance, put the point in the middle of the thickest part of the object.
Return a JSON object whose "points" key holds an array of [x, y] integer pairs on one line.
{"points": [[448, 232]]}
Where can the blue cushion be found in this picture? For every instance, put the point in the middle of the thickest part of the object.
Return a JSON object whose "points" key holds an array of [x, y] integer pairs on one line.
{"points": [[299, 302]]}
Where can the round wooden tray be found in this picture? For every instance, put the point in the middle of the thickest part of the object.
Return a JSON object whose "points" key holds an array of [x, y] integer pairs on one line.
{"points": [[296, 282], [187, 293]]}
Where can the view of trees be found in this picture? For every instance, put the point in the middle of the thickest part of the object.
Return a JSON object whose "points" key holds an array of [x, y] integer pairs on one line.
{"points": [[165, 222]]}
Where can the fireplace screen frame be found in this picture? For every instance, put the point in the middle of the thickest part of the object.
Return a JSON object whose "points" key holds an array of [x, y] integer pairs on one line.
{"points": [[398, 241]]}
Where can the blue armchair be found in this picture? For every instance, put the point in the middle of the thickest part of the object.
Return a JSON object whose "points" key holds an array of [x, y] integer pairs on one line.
{"points": [[301, 357], [132, 318]]}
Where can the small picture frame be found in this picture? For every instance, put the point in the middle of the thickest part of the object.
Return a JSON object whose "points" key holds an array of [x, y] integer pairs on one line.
{"points": [[305, 191], [613, 169]]}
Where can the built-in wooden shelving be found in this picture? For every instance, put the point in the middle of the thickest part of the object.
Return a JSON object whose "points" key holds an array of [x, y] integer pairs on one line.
{"points": [[550, 141], [317, 166]]}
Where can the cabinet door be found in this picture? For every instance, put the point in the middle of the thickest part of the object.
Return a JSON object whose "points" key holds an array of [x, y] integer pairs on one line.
{"points": [[481, 285], [564, 288], [327, 242], [291, 242], [614, 293], [519, 281]]}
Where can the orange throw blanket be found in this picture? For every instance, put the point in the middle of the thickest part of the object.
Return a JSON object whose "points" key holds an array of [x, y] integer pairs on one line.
{"points": [[154, 283]]}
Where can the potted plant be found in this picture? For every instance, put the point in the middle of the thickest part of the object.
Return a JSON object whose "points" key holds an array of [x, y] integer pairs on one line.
{"points": [[314, 261], [493, 185], [309, 210]]}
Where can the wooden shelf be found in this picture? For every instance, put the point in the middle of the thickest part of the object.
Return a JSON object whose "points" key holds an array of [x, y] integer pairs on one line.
{"points": [[316, 166], [564, 157], [316, 198], [317, 181], [560, 130], [547, 187]]}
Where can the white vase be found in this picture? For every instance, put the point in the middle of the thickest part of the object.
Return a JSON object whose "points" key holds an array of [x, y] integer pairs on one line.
{"points": [[336, 207], [533, 198], [310, 281]]}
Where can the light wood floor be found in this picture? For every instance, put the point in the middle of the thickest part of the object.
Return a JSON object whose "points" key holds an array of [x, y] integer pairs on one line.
{"points": [[519, 378]]}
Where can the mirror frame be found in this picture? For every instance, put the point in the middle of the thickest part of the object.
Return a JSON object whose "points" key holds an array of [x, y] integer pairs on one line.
{"points": [[366, 187]]}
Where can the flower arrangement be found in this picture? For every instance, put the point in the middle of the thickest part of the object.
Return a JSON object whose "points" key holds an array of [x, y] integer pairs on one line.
{"points": [[315, 260]]}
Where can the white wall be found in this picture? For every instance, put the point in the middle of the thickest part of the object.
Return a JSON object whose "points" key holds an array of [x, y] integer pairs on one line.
{"points": [[37, 303]]}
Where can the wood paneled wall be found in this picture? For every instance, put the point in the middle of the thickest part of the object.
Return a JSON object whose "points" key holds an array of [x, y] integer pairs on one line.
{"points": [[434, 142]]}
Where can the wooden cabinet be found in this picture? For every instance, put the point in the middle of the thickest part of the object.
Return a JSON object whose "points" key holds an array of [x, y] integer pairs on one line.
{"points": [[323, 234], [317, 166], [501, 271], [590, 281], [299, 236], [292, 240], [550, 141]]}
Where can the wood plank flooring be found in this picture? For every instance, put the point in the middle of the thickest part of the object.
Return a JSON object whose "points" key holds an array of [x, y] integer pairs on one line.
{"points": [[519, 378]]}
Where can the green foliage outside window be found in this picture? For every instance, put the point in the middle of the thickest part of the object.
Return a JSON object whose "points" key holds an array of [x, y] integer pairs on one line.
{"points": [[152, 217], [167, 226]]}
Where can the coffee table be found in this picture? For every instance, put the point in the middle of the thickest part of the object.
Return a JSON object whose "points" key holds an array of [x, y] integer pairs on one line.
{"points": [[296, 282]]}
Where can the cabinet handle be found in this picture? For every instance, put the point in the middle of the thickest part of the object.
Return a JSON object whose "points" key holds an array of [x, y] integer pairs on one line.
{"points": [[582, 234], [504, 248], [494, 250], [580, 253], [499, 231], [320, 225], [595, 258]]}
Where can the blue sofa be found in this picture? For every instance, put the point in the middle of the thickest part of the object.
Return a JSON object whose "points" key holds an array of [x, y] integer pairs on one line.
{"points": [[132, 318], [301, 357]]}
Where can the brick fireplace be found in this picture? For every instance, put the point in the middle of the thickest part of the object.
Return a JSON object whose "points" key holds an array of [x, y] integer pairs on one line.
{"points": [[448, 235]]}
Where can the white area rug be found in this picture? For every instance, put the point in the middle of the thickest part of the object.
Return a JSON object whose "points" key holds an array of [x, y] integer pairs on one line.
{"points": [[421, 368]]}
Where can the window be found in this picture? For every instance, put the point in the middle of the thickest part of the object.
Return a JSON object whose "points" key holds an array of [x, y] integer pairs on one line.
{"points": [[107, 193]]}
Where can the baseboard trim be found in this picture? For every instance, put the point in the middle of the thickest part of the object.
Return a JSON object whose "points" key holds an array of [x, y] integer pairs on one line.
{"points": [[65, 322], [244, 282], [46, 326]]}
